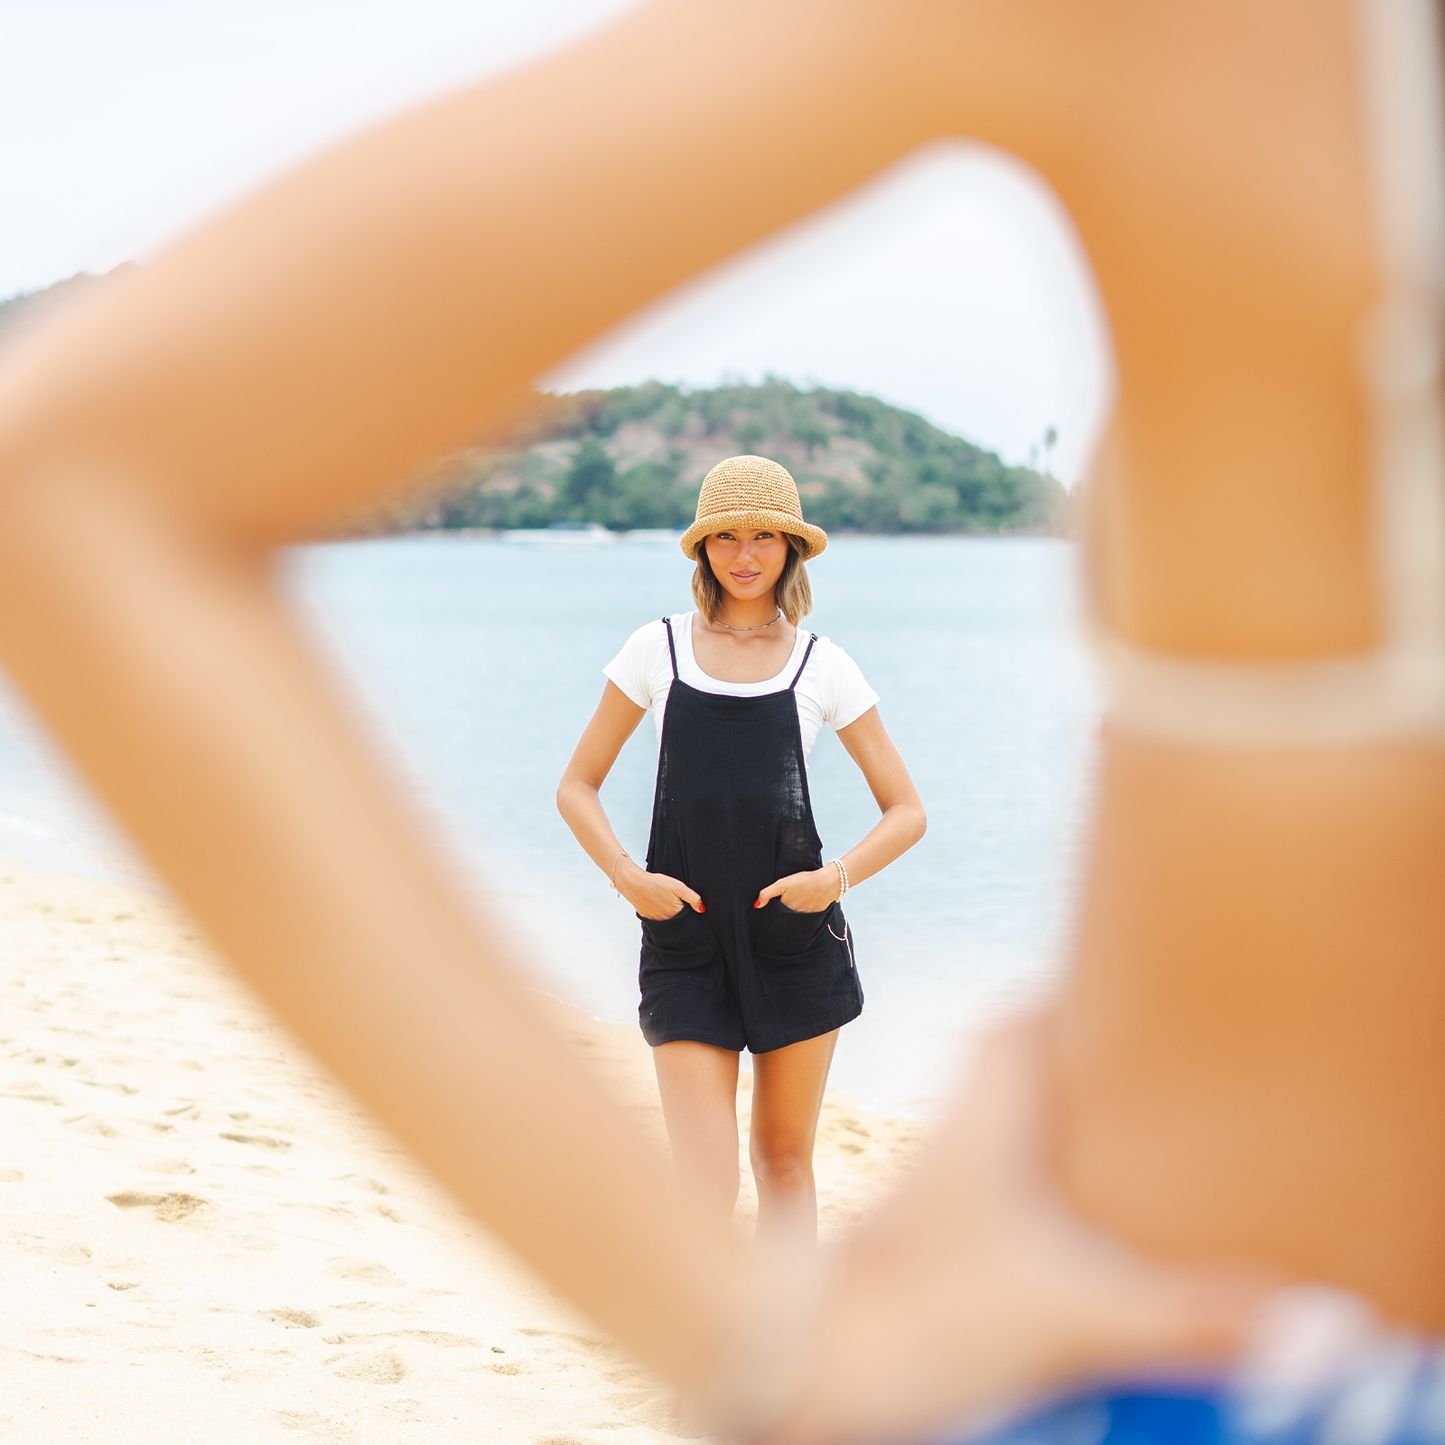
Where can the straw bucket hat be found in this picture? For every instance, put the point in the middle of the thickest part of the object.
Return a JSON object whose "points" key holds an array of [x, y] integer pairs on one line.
{"points": [[755, 493]]}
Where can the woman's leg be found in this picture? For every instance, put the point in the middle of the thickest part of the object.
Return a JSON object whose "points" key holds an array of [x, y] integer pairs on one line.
{"points": [[788, 1086], [699, 1088]]}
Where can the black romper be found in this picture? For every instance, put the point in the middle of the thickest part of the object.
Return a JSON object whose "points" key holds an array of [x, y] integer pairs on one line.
{"points": [[730, 816]]}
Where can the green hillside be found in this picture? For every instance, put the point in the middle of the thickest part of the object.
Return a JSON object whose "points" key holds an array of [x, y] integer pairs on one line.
{"points": [[635, 456]]}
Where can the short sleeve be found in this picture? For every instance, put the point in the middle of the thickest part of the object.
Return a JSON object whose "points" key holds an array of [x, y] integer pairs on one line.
{"points": [[635, 668], [846, 694]]}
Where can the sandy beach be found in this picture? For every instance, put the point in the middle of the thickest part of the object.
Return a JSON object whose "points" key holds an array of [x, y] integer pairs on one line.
{"points": [[204, 1240]]}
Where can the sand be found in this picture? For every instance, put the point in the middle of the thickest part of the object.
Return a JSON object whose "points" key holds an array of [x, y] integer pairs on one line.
{"points": [[204, 1240]]}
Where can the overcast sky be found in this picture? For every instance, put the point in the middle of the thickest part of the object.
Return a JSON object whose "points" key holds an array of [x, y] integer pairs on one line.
{"points": [[952, 286]]}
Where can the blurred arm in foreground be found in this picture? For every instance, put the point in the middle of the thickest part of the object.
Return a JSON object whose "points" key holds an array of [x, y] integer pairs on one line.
{"points": [[278, 369]]}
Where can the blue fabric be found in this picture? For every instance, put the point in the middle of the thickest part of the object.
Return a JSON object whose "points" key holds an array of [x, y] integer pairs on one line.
{"points": [[1393, 1394], [1132, 1417]]}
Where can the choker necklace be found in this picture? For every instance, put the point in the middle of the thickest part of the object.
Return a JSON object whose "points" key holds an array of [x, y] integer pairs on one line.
{"points": [[758, 628]]}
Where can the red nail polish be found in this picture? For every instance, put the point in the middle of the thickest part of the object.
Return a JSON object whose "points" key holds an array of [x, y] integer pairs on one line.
{"points": [[702, 907]]}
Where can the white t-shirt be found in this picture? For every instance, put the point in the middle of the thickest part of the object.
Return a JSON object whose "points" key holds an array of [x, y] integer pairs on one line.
{"points": [[831, 690]]}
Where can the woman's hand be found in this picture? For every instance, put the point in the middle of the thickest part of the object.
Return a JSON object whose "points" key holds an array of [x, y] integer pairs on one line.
{"points": [[975, 1288], [655, 895], [805, 892]]}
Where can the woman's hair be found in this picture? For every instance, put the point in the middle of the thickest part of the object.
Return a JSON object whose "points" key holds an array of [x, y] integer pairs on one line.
{"points": [[793, 592]]}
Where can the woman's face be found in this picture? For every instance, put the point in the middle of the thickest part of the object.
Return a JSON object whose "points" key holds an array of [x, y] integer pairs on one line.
{"points": [[748, 564]]}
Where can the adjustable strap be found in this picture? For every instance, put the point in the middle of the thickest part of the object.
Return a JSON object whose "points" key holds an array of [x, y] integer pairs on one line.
{"points": [[672, 650], [812, 638]]}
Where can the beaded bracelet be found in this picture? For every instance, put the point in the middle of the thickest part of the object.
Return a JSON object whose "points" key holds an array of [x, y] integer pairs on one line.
{"points": [[613, 879], [842, 876]]}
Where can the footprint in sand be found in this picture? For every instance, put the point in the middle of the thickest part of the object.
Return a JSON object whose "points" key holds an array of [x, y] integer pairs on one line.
{"points": [[365, 1271], [169, 1208], [362, 1181], [444, 1338], [290, 1319], [322, 1427], [255, 1243], [65, 1253], [506, 1367], [90, 1124], [382, 1367], [383, 1211], [28, 1094], [260, 1141]]}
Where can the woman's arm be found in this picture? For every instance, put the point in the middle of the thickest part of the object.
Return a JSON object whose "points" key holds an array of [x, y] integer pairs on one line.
{"points": [[903, 822], [578, 802], [653, 895]]}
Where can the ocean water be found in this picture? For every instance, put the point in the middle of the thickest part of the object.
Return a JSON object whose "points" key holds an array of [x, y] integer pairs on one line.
{"points": [[476, 664]]}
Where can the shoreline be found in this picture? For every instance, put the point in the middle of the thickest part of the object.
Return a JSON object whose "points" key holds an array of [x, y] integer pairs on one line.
{"points": [[206, 1238]]}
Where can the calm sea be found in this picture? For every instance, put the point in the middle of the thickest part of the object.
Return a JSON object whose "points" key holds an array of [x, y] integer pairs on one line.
{"points": [[477, 663]]}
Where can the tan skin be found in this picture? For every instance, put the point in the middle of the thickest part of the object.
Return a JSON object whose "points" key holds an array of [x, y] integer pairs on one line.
{"points": [[698, 1081], [1256, 992]]}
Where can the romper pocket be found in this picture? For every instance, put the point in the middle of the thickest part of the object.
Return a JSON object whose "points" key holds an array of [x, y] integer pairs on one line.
{"points": [[677, 950], [801, 950]]}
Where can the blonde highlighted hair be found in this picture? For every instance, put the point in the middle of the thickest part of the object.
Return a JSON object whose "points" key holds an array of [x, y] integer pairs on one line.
{"points": [[793, 592]]}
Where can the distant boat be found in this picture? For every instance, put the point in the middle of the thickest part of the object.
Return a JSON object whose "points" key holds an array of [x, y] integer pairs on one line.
{"points": [[571, 534]]}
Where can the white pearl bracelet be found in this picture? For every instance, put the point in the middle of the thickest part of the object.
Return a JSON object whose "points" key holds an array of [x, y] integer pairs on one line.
{"points": [[842, 876]]}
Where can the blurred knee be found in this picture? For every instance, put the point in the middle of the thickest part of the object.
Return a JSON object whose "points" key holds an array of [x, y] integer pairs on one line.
{"points": [[781, 1169]]}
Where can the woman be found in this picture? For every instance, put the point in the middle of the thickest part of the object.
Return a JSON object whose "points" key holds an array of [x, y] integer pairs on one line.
{"points": [[744, 944], [1250, 1057]]}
